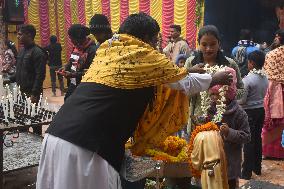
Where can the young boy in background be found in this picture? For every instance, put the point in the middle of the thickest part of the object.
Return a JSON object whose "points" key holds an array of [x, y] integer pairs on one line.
{"points": [[255, 84]]}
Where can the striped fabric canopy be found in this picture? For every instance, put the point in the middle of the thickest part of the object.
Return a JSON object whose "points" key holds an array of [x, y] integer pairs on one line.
{"points": [[54, 17]]}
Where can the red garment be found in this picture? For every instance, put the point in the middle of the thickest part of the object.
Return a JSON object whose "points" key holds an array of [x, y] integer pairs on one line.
{"points": [[9, 62], [273, 127]]}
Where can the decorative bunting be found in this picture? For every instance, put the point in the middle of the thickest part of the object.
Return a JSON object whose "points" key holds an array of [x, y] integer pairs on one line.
{"points": [[54, 17]]}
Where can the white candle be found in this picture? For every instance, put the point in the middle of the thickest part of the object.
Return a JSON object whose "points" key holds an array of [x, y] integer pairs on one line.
{"points": [[29, 106], [6, 110], [45, 102], [20, 94], [19, 98], [8, 90], [11, 102], [15, 94], [33, 110], [39, 103], [1, 86], [25, 107]]}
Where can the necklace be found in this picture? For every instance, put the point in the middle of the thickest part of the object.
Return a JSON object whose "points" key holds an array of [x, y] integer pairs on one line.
{"points": [[206, 100]]}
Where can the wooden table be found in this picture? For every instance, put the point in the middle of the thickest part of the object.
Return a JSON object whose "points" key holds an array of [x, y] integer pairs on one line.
{"points": [[10, 166]]}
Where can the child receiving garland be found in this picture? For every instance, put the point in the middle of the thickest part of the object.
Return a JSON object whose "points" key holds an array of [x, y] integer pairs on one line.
{"points": [[256, 84], [234, 128]]}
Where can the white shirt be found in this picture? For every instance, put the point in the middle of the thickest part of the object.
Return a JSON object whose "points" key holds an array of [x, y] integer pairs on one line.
{"points": [[193, 83]]}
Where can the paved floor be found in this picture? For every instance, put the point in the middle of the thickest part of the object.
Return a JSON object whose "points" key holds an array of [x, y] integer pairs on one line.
{"points": [[272, 170], [25, 179]]}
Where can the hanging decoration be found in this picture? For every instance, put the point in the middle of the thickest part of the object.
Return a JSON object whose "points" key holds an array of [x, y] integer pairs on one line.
{"points": [[54, 17]]}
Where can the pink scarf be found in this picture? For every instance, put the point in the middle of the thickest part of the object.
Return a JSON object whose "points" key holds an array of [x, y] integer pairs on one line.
{"points": [[232, 91]]}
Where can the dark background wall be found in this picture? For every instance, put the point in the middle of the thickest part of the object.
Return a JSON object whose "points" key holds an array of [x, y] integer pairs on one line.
{"points": [[230, 16]]}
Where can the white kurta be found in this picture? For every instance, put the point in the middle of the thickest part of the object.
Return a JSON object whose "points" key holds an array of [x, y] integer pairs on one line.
{"points": [[64, 165]]}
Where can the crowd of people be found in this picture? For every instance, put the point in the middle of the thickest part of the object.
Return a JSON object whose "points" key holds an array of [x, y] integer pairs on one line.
{"points": [[114, 80]]}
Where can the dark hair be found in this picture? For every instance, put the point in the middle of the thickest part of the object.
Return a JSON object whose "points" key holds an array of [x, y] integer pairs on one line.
{"points": [[220, 59], [99, 24], [245, 34], [11, 45], [140, 25], [176, 27], [208, 29], [78, 31], [280, 32], [28, 29], [53, 39], [258, 57]]}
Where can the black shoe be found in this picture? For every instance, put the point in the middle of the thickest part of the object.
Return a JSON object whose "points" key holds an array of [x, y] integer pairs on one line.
{"points": [[257, 172], [246, 176]]}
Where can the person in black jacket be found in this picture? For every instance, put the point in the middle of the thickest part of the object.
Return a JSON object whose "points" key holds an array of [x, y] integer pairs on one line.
{"points": [[30, 66], [81, 57], [54, 62]]}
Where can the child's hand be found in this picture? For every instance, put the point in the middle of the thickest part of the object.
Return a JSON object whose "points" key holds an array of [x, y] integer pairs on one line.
{"points": [[224, 129]]}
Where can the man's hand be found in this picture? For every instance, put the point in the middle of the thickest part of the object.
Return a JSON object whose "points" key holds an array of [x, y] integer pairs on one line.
{"points": [[222, 78], [224, 129], [198, 68], [69, 74]]}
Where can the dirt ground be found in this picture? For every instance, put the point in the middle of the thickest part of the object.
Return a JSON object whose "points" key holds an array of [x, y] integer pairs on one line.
{"points": [[272, 170]]}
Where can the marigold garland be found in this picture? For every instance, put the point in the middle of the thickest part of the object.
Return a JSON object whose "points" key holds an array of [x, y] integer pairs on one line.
{"points": [[210, 126], [173, 149], [173, 145], [159, 155]]}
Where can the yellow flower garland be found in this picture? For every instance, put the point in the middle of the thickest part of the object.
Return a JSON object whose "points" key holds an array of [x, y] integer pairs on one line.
{"points": [[159, 155], [210, 126], [174, 149]]}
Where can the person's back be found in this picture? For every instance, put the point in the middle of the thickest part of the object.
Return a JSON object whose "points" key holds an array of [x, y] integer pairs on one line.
{"points": [[240, 52], [55, 63], [54, 54], [256, 85]]}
